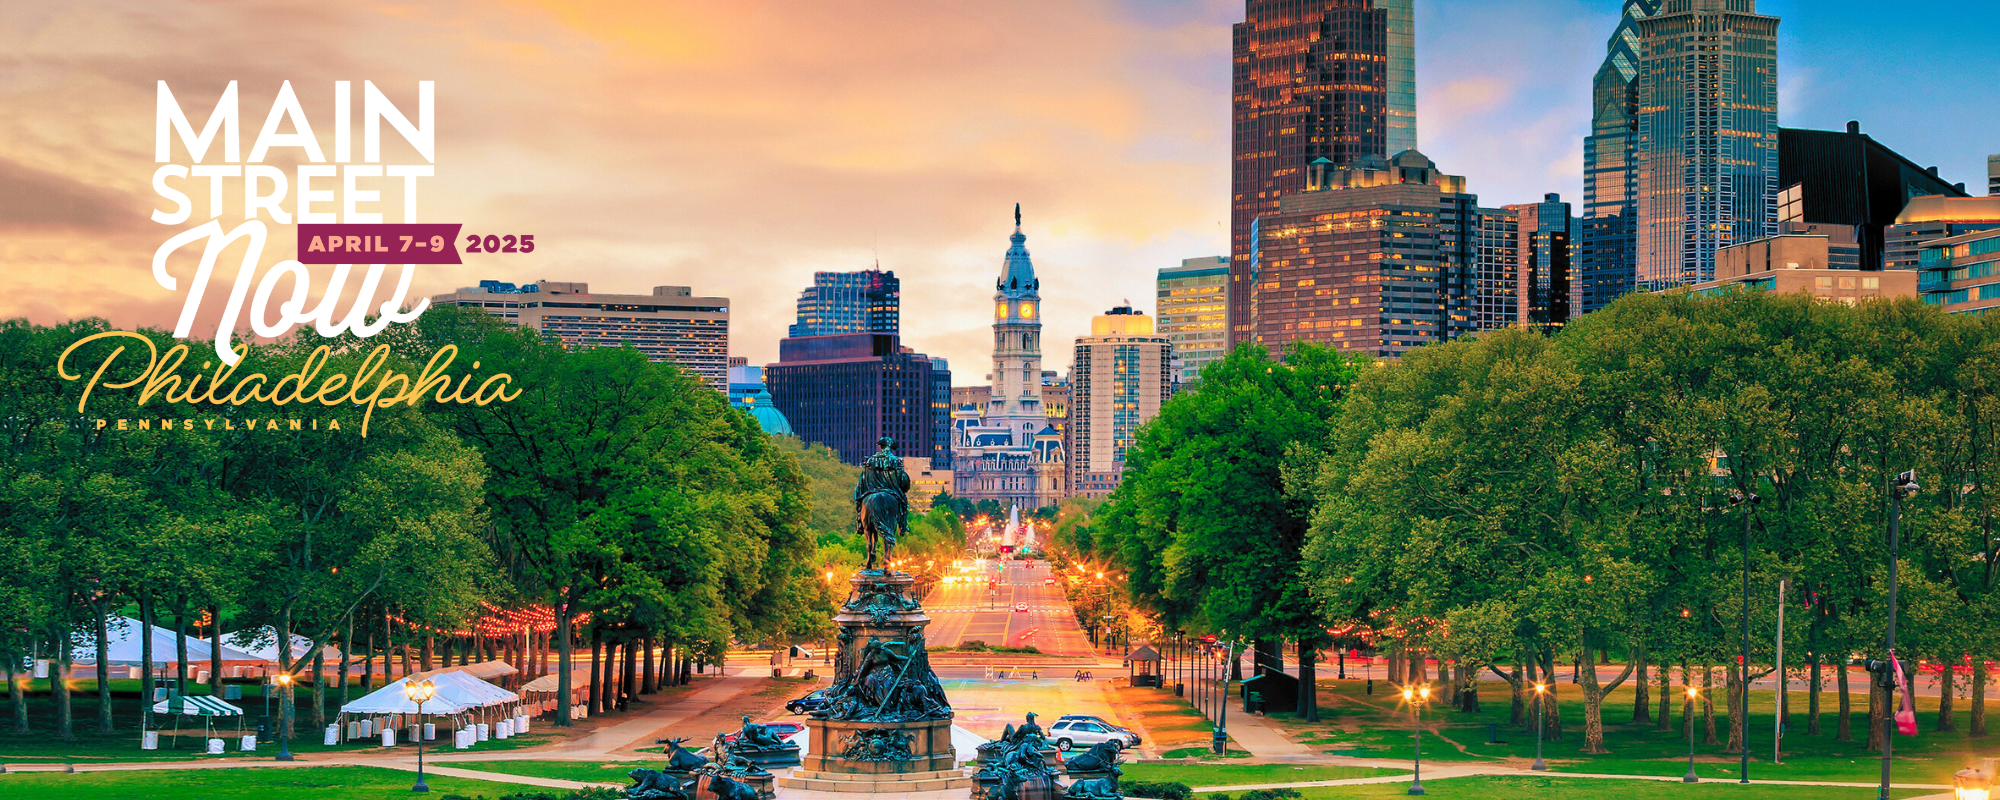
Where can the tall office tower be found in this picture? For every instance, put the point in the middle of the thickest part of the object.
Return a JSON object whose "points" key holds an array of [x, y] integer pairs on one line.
{"points": [[1311, 79], [1849, 179], [1194, 310], [1375, 258], [868, 301], [940, 457], [1610, 182], [1401, 104], [671, 324], [1545, 294], [1496, 274], [849, 389], [1707, 154], [1993, 176], [1122, 374]]}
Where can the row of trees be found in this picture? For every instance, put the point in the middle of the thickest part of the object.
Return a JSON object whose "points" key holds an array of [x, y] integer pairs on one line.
{"points": [[1512, 501], [623, 498]]}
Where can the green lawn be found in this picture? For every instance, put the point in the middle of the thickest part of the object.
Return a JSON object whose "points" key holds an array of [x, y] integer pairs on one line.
{"points": [[1370, 726], [306, 783], [586, 771], [1239, 774], [1555, 788]]}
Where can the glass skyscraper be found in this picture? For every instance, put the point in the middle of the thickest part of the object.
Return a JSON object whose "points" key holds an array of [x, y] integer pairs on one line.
{"points": [[868, 301], [1707, 150], [1610, 184], [1333, 79]]}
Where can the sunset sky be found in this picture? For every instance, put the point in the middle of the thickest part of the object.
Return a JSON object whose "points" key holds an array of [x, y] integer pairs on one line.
{"points": [[737, 147]]}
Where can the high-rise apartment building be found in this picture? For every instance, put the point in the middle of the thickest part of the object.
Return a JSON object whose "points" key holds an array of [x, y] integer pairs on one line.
{"points": [[940, 414], [1927, 219], [849, 389], [1374, 258], [1610, 177], [1006, 449], [869, 301], [1707, 150], [1835, 178], [671, 324], [1993, 176], [1123, 372], [1194, 313], [1312, 79]]}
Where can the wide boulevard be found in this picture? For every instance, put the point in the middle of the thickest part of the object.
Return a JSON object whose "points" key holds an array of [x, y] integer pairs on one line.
{"points": [[980, 606]]}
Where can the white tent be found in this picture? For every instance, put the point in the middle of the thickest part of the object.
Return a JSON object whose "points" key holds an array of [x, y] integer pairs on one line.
{"points": [[390, 700], [262, 644], [456, 691], [196, 706], [124, 646]]}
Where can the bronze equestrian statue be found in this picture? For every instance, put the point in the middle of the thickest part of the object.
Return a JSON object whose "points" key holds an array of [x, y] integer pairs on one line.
{"points": [[881, 502]]}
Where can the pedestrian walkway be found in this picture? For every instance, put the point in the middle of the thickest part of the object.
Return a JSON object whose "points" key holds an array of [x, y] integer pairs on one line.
{"points": [[1251, 732]]}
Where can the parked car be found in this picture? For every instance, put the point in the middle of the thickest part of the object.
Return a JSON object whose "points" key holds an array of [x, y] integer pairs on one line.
{"points": [[1087, 718], [1048, 581], [812, 701], [1071, 733], [1020, 606], [782, 730]]}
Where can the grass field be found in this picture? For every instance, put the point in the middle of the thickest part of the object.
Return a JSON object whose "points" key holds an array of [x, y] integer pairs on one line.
{"points": [[299, 783], [1354, 723], [1240, 774], [1557, 788], [586, 771]]}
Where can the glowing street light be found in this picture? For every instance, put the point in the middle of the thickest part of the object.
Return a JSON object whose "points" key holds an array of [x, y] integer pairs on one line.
{"points": [[1417, 697], [1541, 719], [1972, 784], [418, 692], [1691, 777], [284, 715]]}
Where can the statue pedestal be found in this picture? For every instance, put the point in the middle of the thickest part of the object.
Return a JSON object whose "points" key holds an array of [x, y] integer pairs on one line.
{"points": [[888, 730], [770, 759]]}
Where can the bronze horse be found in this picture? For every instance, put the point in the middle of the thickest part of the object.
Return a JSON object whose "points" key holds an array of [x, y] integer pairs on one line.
{"points": [[881, 504]]}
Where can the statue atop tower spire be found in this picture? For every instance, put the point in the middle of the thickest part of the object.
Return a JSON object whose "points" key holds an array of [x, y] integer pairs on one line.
{"points": [[1017, 215]]}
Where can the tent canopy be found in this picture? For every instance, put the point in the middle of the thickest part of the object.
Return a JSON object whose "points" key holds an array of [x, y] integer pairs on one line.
{"points": [[262, 644], [124, 645], [196, 706], [579, 677], [484, 670], [456, 691]]}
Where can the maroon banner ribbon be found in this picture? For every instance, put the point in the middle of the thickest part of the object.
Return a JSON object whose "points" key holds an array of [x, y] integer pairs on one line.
{"points": [[411, 243]]}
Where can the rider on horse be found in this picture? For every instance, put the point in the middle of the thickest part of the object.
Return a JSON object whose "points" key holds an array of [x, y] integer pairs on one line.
{"points": [[880, 500]]}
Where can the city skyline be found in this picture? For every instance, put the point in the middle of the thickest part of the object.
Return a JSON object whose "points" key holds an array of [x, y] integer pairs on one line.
{"points": [[1117, 149]]}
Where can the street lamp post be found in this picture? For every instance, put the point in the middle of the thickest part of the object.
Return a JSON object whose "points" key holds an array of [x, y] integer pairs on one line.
{"points": [[1417, 697], [1220, 742], [418, 692], [1541, 719], [1690, 777], [1748, 501], [284, 715], [1905, 486]]}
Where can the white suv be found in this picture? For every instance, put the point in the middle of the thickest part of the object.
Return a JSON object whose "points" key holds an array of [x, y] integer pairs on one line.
{"points": [[1069, 733]]}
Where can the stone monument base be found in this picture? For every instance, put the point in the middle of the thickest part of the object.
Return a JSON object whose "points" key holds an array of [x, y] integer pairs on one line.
{"points": [[930, 747], [886, 784], [770, 759], [762, 783]]}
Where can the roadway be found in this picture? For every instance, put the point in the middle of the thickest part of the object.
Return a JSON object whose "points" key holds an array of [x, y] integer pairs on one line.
{"points": [[968, 610]]}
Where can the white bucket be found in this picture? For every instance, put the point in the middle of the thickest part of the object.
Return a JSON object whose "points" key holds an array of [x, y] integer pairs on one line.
{"points": [[332, 735], [521, 724], [388, 737], [430, 731], [484, 732], [150, 740], [215, 747], [462, 738], [249, 743], [501, 730]]}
